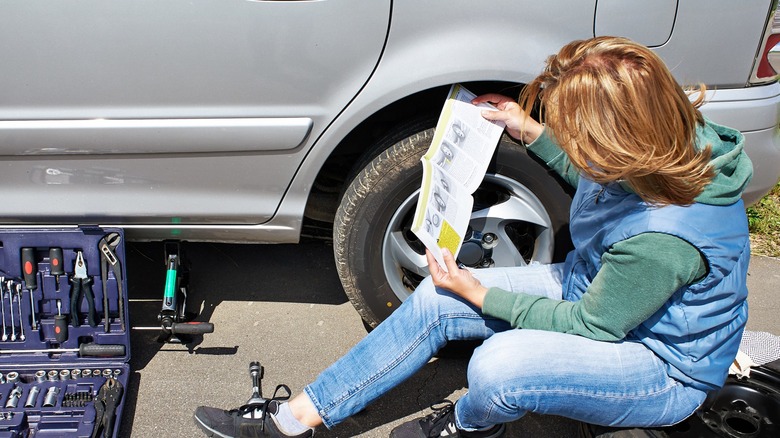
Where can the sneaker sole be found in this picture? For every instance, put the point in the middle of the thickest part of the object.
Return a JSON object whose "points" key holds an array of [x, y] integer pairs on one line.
{"points": [[209, 431], [498, 433]]}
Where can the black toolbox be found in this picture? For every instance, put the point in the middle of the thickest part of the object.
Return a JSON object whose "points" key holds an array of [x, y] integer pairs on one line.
{"points": [[64, 373]]}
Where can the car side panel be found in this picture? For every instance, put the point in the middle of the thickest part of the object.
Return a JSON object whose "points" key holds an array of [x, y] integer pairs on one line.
{"points": [[101, 98], [458, 53], [461, 44], [431, 44]]}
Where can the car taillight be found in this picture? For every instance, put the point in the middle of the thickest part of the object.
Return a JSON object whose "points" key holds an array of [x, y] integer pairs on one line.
{"points": [[769, 60]]}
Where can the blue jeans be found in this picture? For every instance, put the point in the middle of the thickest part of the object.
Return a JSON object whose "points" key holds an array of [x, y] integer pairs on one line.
{"points": [[514, 371]]}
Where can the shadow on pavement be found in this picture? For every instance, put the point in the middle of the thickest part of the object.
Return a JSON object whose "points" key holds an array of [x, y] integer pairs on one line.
{"points": [[218, 272], [306, 274]]}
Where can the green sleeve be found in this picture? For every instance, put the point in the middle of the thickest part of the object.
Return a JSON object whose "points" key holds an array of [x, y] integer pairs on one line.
{"points": [[546, 148], [637, 276]]}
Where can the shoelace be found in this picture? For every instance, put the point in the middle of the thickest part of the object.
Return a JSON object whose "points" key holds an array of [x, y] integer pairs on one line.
{"points": [[437, 420], [263, 407]]}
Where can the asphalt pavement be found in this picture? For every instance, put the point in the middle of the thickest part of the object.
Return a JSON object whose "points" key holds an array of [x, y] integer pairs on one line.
{"points": [[283, 305]]}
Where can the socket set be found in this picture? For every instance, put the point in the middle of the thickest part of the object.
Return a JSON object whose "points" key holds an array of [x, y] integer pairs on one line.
{"points": [[64, 347]]}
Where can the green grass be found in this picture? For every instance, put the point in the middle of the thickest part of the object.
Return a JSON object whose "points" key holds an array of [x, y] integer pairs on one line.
{"points": [[764, 223]]}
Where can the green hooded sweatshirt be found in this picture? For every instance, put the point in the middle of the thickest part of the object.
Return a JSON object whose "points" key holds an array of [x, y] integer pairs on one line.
{"points": [[639, 274]]}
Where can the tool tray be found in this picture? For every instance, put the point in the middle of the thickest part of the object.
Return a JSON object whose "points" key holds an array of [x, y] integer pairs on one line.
{"points": [[45, 391]]}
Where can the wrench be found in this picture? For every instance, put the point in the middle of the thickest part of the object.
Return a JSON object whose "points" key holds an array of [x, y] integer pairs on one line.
{"points": [[19, 304], [2, 308], [11, 303], [108, 258], [32, 311]]}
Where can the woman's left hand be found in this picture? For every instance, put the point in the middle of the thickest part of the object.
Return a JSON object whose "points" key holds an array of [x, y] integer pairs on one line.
{"points": [[458, 281]]}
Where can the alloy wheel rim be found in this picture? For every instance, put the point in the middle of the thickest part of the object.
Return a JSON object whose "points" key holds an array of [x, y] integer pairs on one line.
{"points": [[403, 258]]}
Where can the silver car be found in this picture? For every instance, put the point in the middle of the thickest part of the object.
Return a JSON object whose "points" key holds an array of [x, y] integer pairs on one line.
{"points": [[262, 121]]}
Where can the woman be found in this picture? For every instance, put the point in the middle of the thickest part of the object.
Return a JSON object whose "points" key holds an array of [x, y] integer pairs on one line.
{"points": [[639, 323]]}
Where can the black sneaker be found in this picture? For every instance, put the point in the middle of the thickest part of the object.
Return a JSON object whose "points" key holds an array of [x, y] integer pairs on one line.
{"points": [[441, 423], [252, 421]]}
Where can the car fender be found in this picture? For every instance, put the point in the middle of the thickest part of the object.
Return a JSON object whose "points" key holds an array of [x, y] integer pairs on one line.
{"points": [[418, 58]]}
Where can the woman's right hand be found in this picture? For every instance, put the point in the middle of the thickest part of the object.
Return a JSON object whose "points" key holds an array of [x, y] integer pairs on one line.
{"points": [[518, 124]]}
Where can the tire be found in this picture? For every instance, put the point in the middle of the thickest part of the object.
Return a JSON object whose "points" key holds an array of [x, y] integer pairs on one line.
{"points": [[378, 258]]}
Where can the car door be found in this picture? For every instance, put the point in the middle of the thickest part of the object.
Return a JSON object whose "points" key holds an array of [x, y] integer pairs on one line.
{"points": [[176, 111]]}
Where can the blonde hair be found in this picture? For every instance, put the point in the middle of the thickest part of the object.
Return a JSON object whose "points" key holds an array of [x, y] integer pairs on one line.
{"points": [[619, 115]]}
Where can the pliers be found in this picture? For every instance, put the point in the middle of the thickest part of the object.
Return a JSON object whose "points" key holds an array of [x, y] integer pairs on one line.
{"points": [[108, 257], [108, 397], [81, 284]]}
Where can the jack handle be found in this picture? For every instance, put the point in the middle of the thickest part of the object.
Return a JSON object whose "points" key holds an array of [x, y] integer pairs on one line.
{"points": [[189, 328]]}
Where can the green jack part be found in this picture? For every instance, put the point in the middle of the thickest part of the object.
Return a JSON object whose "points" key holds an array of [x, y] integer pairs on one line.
{"points": [[170, 283]]}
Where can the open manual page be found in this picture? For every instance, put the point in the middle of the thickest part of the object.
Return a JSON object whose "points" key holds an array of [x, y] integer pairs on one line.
{"points": [[453, 168]]}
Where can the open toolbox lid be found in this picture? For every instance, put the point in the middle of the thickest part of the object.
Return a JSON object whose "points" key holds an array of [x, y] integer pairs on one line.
{"points": [[55, 362]]}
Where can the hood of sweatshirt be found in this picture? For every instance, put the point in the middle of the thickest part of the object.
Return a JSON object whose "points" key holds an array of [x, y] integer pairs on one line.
{"points": [[732, 166]]}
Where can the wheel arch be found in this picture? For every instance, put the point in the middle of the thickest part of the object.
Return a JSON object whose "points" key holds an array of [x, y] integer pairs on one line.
{"points": [[355, 147]]}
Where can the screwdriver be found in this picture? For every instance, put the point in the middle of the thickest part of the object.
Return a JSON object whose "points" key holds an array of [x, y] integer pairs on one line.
{"points": [[56, 265], [85, 350], [30, 272], [60, 325]]}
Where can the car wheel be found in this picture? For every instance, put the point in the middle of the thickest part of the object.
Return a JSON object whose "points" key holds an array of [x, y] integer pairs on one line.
{"points": [[380, 261]]}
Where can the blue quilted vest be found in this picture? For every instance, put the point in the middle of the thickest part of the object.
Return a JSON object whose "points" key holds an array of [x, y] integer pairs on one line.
{"points": [[698, 330]]}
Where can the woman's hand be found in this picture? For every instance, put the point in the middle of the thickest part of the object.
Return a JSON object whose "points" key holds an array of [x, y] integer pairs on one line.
{"points": [[458, 281], [518, 124]]}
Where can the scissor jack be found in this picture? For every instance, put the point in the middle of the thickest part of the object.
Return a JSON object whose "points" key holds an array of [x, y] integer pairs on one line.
{"points": [[174, 320]]}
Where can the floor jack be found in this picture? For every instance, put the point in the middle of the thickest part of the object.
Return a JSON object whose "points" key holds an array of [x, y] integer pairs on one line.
{"points": [[175, 324], [173, 317]]}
